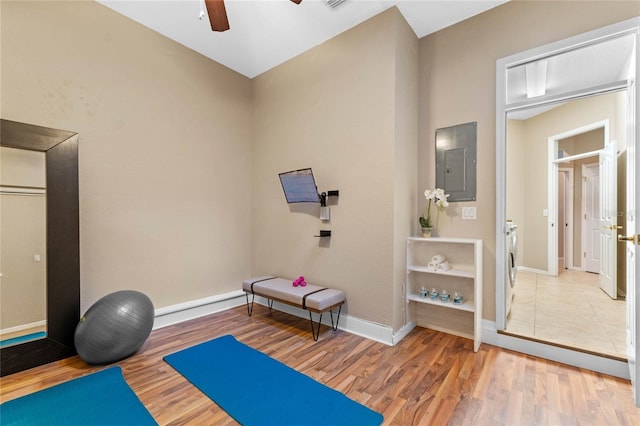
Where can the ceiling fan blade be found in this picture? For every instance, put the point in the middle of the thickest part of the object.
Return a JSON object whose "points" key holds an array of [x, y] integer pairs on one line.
{"points": [[297, 1], [217, 15]]}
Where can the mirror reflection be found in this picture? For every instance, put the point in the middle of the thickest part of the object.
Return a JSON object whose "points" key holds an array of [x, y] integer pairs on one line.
{"points": [[563, 285], [22, 246]]}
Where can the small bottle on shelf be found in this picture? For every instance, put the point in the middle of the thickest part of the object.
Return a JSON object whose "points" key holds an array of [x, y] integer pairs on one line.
{"points": [[433, 295], [457, 298], [444, 296]]}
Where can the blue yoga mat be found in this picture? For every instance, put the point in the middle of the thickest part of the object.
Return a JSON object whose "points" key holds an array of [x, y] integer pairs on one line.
{"points": [[255, 389], [102, 398]]}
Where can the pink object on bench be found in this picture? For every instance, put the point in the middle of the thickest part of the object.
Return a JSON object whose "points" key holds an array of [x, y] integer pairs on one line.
{"points": [[310, 297]]}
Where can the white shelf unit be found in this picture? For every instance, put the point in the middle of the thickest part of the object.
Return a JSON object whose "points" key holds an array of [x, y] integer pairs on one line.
{"points": [[465, 276]]}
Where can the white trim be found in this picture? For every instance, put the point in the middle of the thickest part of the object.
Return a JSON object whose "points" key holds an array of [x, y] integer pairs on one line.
{"points": [[367, 329], [22, 190], [534, 270], [554, 353], [173, 314], [23, 327], [386, 335], [552, 205], [501, 281], [571, 158], [198, 308], [568, 215], [602, 124]]}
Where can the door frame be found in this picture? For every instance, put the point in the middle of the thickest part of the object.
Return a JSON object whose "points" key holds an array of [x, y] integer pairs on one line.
{"points": [[494, 333], [568, 215], [552, 188]]}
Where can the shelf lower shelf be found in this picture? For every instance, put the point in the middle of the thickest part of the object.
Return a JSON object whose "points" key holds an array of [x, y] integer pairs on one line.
{"points": [[466, 306]]}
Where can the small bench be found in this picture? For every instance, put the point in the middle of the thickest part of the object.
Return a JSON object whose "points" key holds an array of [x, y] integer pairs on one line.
{"points": [[312, 298]]}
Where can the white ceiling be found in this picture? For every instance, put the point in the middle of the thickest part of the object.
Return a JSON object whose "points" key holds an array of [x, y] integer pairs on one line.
{"points": [[266, 33], [591, 68]]}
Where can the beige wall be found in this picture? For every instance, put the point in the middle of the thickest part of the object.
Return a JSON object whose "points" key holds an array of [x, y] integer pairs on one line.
{"points": [[352, 118], [406, 158], [516, 193], [164, 147], [457, 85], [19, 167], [22, 235]]}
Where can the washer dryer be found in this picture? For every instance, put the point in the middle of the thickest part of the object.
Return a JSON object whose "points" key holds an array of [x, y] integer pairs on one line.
{"points": [[512, 261]]}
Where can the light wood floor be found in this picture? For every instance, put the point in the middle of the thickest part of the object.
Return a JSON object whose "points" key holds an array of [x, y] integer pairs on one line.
{"points": [[428, 378]]}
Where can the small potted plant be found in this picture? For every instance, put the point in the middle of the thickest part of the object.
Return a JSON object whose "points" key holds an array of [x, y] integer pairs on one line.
{"points": [[439, 198]]}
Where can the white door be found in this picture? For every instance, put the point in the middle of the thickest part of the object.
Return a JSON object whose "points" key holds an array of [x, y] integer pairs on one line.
{"points": [[608, 209], [632, 236], [591, 222]]}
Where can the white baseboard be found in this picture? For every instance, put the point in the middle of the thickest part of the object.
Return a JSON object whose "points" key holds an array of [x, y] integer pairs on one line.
{"points": [[385, 334], [23, 327], [596, 363], [198, 308], [370, 330], [534, 270]]}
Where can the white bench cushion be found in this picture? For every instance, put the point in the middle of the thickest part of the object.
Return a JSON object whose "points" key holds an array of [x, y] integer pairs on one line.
{"points": [[317, 298], [324, 299]]}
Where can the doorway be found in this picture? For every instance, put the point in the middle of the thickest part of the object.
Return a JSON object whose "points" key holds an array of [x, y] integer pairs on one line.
{"points": [[557, 298], [574, 80]]}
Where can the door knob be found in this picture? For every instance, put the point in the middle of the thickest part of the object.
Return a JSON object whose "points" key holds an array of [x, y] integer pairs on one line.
{"points": [[622, 238], [612, 227]]}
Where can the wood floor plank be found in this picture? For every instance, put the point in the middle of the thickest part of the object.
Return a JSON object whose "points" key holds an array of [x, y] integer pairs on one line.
{"points": [[429, 378]]}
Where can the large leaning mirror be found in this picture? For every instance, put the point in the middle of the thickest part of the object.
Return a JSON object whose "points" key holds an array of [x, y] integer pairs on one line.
{"points": [[61, 271], [566, 155]]}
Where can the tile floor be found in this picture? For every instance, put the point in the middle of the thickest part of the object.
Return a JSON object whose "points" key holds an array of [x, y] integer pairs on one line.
{"points": [[569, 309]]}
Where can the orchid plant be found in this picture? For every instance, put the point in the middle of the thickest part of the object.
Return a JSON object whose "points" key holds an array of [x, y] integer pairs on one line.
{"points": [[437, 197]]}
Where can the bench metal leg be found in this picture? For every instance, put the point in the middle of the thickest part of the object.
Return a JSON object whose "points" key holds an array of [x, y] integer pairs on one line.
{"points": [[315, 332], [250, 307], [335, 327]]}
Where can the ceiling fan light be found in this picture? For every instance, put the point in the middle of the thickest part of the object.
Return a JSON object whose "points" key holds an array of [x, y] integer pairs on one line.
{"points": [[536, 73]]}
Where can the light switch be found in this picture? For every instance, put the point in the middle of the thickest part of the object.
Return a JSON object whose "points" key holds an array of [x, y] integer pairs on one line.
{"points": [[36, 258], [468, 213]]}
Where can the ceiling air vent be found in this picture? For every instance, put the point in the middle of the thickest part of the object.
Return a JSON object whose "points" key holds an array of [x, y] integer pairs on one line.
{"points": [[334, 3]]}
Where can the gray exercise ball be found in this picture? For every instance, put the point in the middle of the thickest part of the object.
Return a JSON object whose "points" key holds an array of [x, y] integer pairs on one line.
{"points": [[115, 327]]}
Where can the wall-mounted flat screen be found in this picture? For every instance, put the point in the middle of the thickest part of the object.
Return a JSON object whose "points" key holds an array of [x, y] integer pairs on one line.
{"points": [[299, 186]]}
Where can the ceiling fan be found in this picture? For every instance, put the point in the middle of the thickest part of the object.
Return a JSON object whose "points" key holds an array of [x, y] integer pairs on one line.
{"points": [[218, 14]]}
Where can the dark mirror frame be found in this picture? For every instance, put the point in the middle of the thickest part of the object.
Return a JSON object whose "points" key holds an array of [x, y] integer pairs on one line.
{"points": [[63, 244]]}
